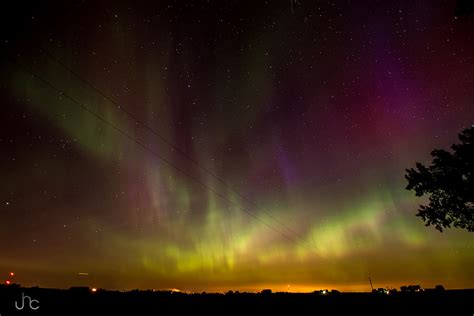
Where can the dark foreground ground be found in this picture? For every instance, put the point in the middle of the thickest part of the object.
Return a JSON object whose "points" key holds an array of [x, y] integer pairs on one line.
{"points": [[84, 302]]}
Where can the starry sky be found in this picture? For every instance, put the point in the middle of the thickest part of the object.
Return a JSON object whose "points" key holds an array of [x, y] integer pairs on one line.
{"points": [[291, 124]]}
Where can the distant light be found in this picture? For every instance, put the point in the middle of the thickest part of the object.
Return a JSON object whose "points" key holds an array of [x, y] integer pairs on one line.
{"points": [[8, 282], [12, 273], [324, 291], [94, 289]]}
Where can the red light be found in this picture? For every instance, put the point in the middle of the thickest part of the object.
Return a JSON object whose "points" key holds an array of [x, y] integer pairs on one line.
{"points": [[8, 282], [12, 273]]}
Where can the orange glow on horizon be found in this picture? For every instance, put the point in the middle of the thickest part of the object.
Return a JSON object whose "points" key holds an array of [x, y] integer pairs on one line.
{"points": [[294, 288]]}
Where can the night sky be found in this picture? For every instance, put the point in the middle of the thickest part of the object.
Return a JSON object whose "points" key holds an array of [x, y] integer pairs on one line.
{"points": [[291, 124]]}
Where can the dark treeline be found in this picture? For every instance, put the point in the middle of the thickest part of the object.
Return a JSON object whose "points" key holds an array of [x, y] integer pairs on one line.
{"points": [[83, 301]]}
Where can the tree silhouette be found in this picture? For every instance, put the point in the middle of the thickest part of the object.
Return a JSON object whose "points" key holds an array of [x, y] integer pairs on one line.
{"points": [[449, 182]]}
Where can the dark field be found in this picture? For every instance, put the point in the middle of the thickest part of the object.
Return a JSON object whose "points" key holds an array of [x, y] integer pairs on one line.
{"points": [[82, 301]]}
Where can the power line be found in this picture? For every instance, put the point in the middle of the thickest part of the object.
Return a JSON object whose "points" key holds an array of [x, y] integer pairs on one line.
{"points": [[148, 149], [165, 140]]}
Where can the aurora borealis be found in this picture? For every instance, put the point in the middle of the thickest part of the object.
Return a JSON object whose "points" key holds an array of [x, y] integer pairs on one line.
{"points": [[311, 111]]}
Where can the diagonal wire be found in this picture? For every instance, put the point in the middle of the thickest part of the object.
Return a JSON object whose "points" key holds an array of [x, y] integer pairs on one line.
{"points": [[151, 151], [169, 143]]}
